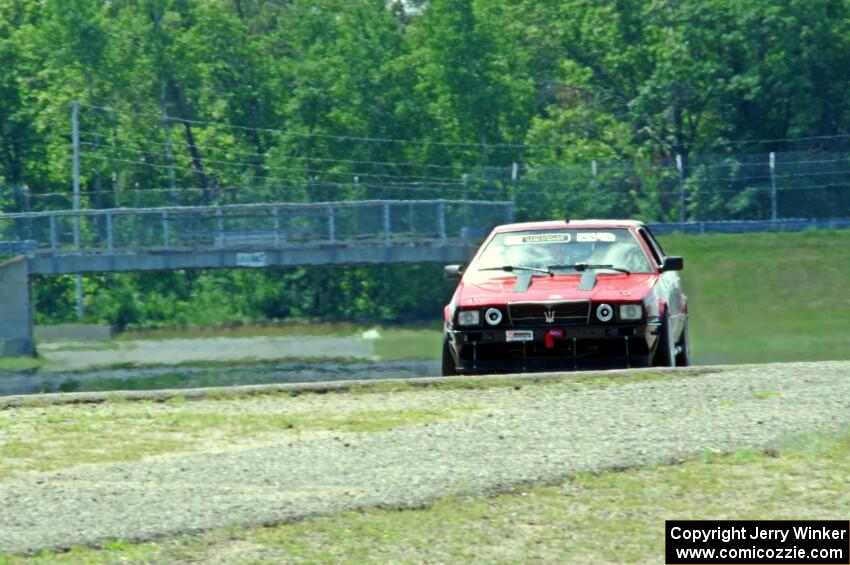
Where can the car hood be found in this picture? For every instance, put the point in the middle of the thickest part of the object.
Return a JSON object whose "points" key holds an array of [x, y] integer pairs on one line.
{"points": [[608, 288]]}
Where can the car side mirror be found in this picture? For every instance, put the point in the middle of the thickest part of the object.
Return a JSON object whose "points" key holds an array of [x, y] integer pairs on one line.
{"points": [[453, 272], [673, 264]]}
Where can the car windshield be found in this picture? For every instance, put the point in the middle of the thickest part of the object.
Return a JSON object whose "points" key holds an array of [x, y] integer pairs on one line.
{"points": [[557, 249]]}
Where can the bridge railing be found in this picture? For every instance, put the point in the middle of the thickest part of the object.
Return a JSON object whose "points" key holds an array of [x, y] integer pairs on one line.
{"points": [[253, 226]]}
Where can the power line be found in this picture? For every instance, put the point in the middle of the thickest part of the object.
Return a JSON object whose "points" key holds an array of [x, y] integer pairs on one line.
{"points": [[292, 157], [246, 165], [141, 193], [783, 140], [811, 174], [603, 166], [401, 192], [529, 170], [299, 181], [271, 167], [479, 146], [129, 193], [437, 143], [259, 177], [533, 182]]}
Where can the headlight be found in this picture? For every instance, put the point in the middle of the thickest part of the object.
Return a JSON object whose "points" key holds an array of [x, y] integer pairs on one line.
{"points": [[469, 318], [604, 312], [493, 316], [631, 312]]}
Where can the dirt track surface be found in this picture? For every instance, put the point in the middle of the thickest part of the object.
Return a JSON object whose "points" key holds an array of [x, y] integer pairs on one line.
{"points": [[538, 433]]}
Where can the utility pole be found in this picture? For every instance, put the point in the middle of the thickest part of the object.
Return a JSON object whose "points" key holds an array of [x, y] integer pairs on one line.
{"points": [[169, 154], [75, 173], [465, 197], [773, 207], [593, 172], [75, 164], [680, 166]]}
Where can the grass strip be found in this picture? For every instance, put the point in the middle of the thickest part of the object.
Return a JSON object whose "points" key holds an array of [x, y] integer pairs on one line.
{"points": [[14, 364], [609, 517], [43, 437], [66, 436], [368, 386]]}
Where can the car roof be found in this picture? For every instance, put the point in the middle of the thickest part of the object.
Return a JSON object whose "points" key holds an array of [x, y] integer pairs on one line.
{"points": [[561, 224]]}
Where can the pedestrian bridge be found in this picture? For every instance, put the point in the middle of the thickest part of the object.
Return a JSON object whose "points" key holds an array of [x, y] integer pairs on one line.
{"points": [[250, 235], [229, 236]]}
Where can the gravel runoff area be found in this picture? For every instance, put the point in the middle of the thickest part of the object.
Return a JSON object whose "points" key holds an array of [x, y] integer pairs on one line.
{"points": [[516, 435]]}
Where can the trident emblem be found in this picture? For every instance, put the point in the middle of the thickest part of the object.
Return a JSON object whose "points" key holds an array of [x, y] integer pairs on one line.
{"points": [[549, 316]]}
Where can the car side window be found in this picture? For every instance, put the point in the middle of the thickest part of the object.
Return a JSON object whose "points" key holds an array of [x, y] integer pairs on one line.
{"points": [[653, 247]]}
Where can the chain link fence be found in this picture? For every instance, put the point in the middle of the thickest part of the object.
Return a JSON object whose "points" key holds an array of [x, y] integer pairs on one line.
{"points": [[812, 184], [769, 186]]}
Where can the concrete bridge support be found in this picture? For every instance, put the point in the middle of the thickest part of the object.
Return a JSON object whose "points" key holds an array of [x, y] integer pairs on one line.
{"points": [[16, 329]]}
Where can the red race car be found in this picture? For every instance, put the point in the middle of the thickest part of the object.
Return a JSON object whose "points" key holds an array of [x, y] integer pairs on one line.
{"points": [[566, 295]]}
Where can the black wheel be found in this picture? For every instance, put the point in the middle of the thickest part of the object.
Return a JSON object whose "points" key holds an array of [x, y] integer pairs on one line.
{"points": [[665, 350], [449, 369], [683, 357]]}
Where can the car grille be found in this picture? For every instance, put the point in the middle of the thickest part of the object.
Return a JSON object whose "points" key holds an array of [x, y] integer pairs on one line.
{"points": [[549, 313]]}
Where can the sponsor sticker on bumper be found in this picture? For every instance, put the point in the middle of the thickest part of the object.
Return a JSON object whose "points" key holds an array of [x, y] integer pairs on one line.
{"points": [[519, 335]]}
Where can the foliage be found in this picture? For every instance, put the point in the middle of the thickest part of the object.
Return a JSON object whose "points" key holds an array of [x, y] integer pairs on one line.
{"points": [[183, 298], [321, 91]]}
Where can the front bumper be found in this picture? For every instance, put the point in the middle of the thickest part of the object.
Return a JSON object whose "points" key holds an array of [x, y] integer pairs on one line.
{"points": [[485, 350]]}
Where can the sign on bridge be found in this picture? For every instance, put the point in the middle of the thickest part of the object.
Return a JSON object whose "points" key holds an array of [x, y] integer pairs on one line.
{"points": [[251, 260]]}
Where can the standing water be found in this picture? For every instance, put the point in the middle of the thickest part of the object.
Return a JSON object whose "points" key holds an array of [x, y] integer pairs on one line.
{"points": [[219, 361]]}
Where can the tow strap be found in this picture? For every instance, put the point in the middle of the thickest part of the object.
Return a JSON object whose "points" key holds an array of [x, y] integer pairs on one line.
{"points": [[550, 338]]}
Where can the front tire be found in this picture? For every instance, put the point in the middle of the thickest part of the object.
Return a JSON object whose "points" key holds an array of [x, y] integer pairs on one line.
{"points": [[665, 350], [683, 358], [449, 369]]}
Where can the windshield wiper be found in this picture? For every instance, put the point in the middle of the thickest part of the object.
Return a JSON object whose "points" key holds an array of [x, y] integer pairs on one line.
{"points": [[512, 268], [584, 266]]}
